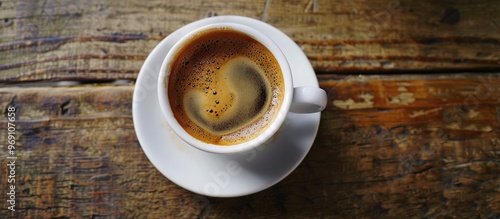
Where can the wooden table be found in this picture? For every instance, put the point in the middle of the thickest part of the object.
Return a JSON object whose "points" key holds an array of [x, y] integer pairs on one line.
{"points": [[411, 128]]}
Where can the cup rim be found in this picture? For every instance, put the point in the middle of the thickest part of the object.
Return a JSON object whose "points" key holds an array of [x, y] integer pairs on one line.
{"points": [[233, 148]]}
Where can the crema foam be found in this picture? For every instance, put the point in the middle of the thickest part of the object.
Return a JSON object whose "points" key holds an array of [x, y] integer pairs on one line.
{"points": [[224, 87]]}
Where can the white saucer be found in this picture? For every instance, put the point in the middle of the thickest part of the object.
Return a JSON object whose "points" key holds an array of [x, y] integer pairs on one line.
{"points": [[213, 174]]}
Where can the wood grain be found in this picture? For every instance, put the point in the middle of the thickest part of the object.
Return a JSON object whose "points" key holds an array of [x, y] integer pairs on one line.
{"points": [[388, 146], [399, 139], [103, 40]]}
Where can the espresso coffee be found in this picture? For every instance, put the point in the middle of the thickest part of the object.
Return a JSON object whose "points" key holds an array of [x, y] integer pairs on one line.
{"points": [[224, 87]]}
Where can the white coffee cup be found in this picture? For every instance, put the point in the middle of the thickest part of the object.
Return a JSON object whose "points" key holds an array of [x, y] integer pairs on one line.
{"points": [[295, 99]]}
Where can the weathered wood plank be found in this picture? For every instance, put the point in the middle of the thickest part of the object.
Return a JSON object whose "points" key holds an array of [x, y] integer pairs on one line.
{"points": [[102, 40], [388, 146], [78, 156]]}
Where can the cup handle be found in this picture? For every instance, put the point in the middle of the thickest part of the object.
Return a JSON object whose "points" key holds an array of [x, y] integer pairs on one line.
{"points": [[308, 100]]}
